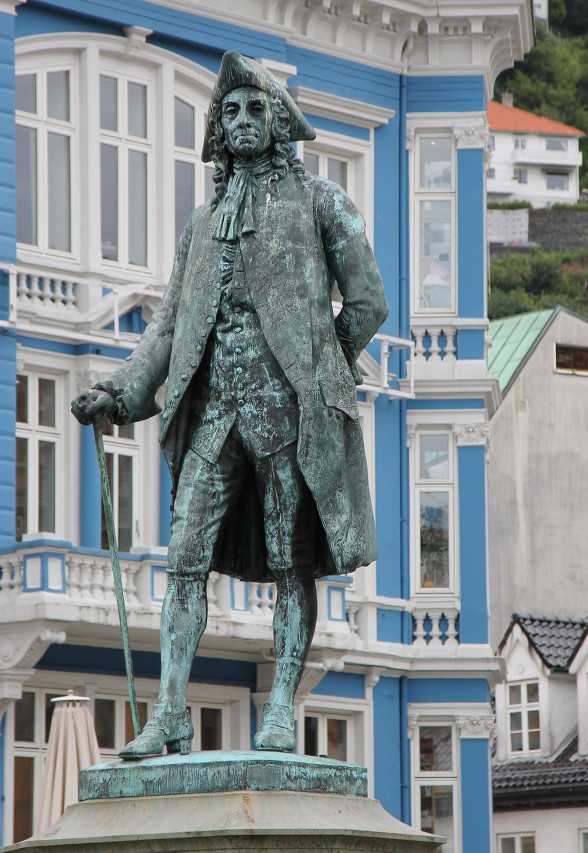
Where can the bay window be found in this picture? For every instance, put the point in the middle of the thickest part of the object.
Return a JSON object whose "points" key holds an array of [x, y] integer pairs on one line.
{"points": [[45, 137], [524, 717], [435, 781]]}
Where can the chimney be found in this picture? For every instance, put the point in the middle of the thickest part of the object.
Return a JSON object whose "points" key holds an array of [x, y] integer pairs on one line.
{"points": [[507, 99]]}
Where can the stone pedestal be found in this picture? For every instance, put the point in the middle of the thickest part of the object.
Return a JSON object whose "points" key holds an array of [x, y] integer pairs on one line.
{"points": [[255, 801]]}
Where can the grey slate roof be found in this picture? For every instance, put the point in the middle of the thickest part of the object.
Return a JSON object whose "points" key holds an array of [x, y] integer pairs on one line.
{"points": [[554, 639]]}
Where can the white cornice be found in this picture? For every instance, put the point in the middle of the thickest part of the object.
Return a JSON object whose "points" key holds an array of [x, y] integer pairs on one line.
{"points": [[421, 36], [340, 109], [8, 7]]}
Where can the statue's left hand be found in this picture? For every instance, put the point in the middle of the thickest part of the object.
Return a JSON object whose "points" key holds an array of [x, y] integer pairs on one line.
{"points": [[92, 406]]}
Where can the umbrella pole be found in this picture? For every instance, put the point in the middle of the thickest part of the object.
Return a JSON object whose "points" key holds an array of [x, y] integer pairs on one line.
{"points": [[118, 588]]}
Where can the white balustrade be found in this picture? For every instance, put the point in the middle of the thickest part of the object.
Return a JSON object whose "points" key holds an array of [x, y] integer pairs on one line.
{"points": [[48, 291], [435, 626], [434, 344], [261, 600], [11, 579]]}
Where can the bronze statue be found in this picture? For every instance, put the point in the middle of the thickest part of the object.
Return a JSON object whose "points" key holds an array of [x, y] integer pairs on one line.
{"points": [[260, 426]]}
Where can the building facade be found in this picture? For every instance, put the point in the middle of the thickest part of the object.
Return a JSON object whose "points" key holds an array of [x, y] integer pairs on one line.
{"points": [[533, 158], [101, 127]]}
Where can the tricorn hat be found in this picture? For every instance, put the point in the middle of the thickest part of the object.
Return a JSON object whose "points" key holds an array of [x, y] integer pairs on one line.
{"points": [[236, 71]]}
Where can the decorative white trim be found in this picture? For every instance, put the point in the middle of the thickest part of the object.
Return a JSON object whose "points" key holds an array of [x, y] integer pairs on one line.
{"points": [[482, 727], [470, 130], [137, 37], [340, 109], [8, 7], [23, 648], [471, 136], [472, 434]]}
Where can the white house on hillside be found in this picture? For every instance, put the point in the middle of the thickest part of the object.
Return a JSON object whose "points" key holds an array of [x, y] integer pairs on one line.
{"points": [[533, 158]]}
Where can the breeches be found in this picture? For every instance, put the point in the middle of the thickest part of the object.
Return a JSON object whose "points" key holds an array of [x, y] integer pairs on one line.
{"points": [[207, 491]]}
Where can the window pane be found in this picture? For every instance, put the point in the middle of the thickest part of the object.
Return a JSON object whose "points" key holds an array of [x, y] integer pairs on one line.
{"points": [[137, 110], [311, 163], [533, 719], [138, 208], [436, 747], [437, 813], [142, 709], [434, 521], [435, 254], [311, 735], [47, 402], [126, 431], [585, 842], [23, 797], [184, 194], [507, 845], [22, 447], [434, 457], [109, 201], [556, 144], [49, 710], [26, 93], [104, 533], [184, 124], [528, 844], [516, 742], [516, 721], [125, 502], [104, 722], [557, 182], [534, 740], [337, 739], [435, 163], [533, 692], [59, 192], [24, 718], [22, 412], [514, 693], [210, 728], [337, 171], [47, 486], [26, 185], [58, 95], [209, 184], [108, 103]]}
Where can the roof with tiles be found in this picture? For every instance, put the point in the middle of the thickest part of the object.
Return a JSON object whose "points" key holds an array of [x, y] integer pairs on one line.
{"points": [[515, 120], [513, 340], [555, 640]]}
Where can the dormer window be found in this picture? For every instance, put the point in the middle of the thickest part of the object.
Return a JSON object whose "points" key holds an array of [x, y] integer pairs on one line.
{"points": [[523, 717]]}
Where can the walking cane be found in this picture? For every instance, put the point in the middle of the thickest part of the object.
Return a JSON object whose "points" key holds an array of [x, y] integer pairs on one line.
{"points": [[118, 588]]}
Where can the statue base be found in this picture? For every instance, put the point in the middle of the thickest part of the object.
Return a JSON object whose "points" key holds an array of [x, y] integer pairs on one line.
{"points": [[324, 816]]}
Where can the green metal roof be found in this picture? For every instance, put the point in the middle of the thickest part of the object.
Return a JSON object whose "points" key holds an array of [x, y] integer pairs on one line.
{"points": [[513, 339]]}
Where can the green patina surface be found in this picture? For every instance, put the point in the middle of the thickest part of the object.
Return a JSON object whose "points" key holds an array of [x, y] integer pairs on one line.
{"points": [[210, 772], [513, 339]]}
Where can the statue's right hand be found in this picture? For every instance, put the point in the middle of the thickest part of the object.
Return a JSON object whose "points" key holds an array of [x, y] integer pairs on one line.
{"points": [[92, 406]]}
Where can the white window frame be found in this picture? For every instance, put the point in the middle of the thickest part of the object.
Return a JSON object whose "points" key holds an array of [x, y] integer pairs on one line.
{"points": [[358, 154], [41, 65], [517, 837], [129, 447], [520, 142], [35, 433], [357, 713], [234, 702], [419, 485], [583, 841], [557, 175], [561, 143], [523, 708], [445, 779], [418, 195]]}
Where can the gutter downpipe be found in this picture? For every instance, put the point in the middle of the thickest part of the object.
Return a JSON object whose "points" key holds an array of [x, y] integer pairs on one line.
{"points": [[404, 327]]}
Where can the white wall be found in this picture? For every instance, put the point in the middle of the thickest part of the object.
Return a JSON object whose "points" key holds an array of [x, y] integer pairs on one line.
{"points": [[555, 829], [538, 494]]}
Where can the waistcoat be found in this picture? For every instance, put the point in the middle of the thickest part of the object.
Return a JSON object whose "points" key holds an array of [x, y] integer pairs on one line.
{"points": [[239, 380]]}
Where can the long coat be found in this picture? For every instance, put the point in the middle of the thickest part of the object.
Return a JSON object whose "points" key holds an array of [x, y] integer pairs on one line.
{"points": [[308, 235]]}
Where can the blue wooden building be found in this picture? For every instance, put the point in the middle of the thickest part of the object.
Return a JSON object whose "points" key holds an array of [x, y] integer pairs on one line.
{"points": [[101, 121]]}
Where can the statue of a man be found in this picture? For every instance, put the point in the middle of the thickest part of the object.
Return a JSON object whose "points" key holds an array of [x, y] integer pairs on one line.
{"points": [[260, 426]]}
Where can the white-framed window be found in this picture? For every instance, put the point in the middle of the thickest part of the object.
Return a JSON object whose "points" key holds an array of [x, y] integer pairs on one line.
{"points": [[520, 142], [491, 172], [521, 175], [126, 170], [524, 725], [491, 142], [435, 240], [39, 415], [554, 143], [46, 119], [128, 128], [121, 451], [559, 181], [583, 848], [435, 780], [331, 166], [220, 715], [522, 842], [337, 727], [433, 464], [571, 359]]}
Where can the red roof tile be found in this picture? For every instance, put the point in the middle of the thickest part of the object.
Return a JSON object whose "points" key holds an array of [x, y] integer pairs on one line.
{"points": [[515, 120]]}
